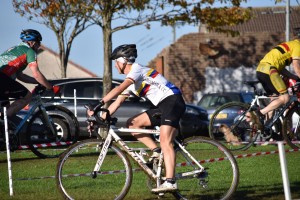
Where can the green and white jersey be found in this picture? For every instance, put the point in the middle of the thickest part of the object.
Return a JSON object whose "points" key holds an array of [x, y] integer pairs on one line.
{"points": [[16, 59]]}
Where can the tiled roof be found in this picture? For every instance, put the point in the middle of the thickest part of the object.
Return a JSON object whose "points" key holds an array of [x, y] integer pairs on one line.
{"points": [[270, 19]]}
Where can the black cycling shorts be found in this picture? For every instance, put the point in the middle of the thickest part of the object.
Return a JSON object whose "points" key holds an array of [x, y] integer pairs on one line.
{"points": [[168, 112], [11, 88]]}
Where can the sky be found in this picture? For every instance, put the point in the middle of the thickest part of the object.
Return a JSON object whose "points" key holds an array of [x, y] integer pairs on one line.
{"points": [[87, 47]]}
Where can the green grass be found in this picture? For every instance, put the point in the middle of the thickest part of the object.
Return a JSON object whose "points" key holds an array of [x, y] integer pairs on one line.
{"points": [[260, 177]]}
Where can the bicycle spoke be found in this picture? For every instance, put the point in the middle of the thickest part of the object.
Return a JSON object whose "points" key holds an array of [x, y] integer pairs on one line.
{"points": [[238, 133], [220, 177], [76, 165], [291, 127]]}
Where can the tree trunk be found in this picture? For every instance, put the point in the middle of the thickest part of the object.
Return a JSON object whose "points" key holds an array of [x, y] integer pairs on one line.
{"points": [[107, 42]]}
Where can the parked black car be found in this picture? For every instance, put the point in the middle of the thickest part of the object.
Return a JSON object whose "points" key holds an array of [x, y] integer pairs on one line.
{"points": [[89, 90]]}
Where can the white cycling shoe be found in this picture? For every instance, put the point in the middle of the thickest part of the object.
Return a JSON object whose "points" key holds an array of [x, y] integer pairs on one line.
{"points": [[165, 187]]}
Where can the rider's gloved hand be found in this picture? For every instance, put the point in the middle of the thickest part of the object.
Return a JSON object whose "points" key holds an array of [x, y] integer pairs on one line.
{"points": [[91, 109], [49, 93], [54, 91]]}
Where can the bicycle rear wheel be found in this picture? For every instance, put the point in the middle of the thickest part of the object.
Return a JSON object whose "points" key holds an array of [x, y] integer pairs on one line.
{"points": [[75, 166], [291, 127], [220, 178], [44, 142], [228, 125]]}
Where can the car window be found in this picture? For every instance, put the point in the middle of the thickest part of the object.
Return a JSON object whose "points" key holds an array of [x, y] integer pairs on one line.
{"points": [[83, 89], [99, 88], [235, 97], [212, 101]]}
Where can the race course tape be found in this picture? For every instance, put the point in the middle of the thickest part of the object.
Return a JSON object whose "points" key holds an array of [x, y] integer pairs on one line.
{"points": [[177, 165], [52, 144]]}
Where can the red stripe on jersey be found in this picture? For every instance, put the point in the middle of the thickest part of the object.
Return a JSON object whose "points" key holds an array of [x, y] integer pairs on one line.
{"points": [[287, 48], [273, 71], [145, 90], [154, 74]]}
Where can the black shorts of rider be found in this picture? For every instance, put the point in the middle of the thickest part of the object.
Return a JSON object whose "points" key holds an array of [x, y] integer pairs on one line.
{"points": [[10, 88], [168, 112], [268, 85]]}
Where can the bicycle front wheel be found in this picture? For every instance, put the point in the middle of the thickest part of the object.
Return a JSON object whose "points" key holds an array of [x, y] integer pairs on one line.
{"points": [[291, 127], [75, 167], [230, 126], [220, 178]]}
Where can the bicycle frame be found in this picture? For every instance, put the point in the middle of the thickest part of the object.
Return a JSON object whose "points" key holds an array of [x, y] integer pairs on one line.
{"points": [[112, 136], [37, 104]]}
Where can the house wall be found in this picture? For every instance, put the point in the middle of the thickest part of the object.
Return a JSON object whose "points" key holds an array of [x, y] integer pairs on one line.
{"points": [[49, 65], [187, 67]]}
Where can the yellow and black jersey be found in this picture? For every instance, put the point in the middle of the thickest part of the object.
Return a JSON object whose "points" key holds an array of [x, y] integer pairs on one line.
{"points": [[282, 55]]}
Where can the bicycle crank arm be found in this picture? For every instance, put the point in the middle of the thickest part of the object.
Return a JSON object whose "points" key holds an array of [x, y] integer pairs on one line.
{"points": [[187, 175]]}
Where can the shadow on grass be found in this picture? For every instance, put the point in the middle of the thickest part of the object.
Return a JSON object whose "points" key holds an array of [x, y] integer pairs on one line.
{"points": [[266, 192]]}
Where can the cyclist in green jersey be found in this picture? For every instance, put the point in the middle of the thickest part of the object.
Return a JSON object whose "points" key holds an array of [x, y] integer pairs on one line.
{"points": [[12, 63]]}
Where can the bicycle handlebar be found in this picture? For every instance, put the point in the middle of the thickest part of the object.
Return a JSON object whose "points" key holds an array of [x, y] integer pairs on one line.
{"points": [[96, 118]]}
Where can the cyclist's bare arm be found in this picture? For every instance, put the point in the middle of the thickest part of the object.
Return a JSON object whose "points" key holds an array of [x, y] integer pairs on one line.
{"points": [[116, 104], [296, 66], [39, 77], [117, 90]]}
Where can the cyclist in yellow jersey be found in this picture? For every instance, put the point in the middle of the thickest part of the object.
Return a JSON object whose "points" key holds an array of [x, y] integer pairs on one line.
{"points": [[270, 69]]}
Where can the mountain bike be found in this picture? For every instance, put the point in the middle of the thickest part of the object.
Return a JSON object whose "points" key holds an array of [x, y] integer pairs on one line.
{"points": [[42, 130], [283, 124], [205, 168]]}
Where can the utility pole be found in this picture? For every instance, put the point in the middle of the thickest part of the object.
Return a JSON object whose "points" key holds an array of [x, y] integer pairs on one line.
{"points": [[174, 32], [287, 24], [287, 21]]}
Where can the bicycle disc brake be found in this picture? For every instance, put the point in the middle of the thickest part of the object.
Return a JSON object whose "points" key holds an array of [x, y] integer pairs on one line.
{"points": [[203, 176]]}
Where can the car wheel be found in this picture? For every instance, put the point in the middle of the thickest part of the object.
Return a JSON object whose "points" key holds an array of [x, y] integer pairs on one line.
{"points": [[61, 127]]}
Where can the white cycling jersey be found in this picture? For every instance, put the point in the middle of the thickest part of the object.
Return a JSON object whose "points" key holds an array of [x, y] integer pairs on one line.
{"points": [[150, 84]]}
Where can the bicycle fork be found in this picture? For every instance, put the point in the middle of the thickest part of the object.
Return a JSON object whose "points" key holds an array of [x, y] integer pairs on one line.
{"points": [[101, 156]]}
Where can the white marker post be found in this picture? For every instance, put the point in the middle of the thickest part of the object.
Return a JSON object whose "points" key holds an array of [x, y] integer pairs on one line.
{"points": [[75, 103], [284, 172], [8, 154]]}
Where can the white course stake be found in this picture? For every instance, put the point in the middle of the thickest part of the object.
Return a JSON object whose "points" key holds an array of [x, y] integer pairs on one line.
{"points": [[11, 193], [75, 103], [284, 172]]}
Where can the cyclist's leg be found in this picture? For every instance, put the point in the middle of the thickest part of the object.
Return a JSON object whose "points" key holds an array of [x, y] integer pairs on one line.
{"points": [[140, 121], [14, 89], [18, 104], [172, 108], [273, 84]]}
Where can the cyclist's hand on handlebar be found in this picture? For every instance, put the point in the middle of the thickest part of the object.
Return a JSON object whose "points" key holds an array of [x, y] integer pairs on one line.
{"points": [[92, 109]]}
